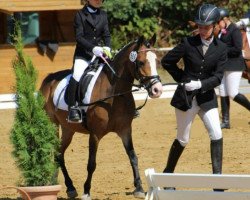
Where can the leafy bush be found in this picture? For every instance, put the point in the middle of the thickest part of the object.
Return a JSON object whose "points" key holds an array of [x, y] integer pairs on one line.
{"points": [[33, 135]]}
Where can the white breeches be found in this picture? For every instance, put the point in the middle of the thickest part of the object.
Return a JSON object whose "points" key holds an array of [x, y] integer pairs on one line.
{"points": [[80, 66], [185, 120], [230, 84]]}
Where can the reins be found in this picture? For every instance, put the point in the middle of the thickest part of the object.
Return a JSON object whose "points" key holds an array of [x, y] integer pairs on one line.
{"points": [[109, 97], [143, 79]]}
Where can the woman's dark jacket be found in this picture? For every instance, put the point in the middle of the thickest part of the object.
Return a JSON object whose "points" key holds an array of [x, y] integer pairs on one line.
{"points": [[91, 29], [233, 39], [207, 68]]}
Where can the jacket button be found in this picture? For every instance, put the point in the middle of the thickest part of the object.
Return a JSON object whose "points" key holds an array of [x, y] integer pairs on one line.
{"points": [[94, 37]]}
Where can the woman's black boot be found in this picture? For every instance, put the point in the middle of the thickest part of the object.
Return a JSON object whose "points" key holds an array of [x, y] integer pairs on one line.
{"points": [[242, 100], [225, 107]]}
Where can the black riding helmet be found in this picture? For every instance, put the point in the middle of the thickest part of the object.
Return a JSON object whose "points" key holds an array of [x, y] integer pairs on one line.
{"points": [[207, 14], [223, 13]]}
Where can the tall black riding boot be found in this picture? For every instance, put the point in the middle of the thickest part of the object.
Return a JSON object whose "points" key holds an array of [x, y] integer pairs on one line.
{"points": [[173, 157], [74, 115], [216, 147], [242, 100], [225, 106]]}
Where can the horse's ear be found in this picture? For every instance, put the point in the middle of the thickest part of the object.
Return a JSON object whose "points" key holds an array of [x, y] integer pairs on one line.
{"points": [[140, 40], [152, 40]]}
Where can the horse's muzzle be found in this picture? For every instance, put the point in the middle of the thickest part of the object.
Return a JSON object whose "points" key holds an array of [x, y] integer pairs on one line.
{"points": [[155, 90]]}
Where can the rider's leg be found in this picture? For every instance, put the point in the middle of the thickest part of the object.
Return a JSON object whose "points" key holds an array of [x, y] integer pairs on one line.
{"points": [[225, 103], [79, 67], [173, 157], [233, 89], [212, 124], [74, 115], [216, 157], [184, 122], [242, 100], [225, 107]]}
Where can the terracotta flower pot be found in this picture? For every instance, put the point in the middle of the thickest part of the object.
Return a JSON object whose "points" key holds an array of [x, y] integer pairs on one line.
{"points": [[41, 192]]}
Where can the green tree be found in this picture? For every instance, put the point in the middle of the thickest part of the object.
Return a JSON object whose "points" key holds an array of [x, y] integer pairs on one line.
{"points": [[168, 18], [33, 136]]}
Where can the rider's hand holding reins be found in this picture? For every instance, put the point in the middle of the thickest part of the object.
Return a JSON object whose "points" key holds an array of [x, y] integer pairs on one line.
{"points": [[97, 51], [102, 51], [193, 85], [107, 52]]}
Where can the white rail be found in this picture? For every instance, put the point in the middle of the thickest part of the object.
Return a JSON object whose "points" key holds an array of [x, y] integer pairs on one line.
{"points": [[7, 101]]}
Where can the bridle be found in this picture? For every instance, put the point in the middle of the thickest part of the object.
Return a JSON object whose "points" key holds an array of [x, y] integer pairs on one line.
{"points": [[144, 81]]}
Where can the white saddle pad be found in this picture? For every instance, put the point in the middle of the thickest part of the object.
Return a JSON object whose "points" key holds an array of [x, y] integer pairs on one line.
{"points": [[58, 97]]}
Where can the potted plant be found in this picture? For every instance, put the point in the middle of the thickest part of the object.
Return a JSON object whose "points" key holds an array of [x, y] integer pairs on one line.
{"points": [[34, 138]]}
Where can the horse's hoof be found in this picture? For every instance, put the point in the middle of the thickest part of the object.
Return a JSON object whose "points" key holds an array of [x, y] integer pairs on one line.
{"points": [[72, 194], [86, 197], [139, 194]]}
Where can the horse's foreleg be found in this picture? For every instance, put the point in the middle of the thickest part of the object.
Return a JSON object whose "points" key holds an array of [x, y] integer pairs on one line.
{"points": [[128, 144], [65, 142], [93, 146]]}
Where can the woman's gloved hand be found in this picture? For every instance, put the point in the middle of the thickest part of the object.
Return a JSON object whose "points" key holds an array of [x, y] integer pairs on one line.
{"points": [[107, 52], [97, 51], [193, 85]]}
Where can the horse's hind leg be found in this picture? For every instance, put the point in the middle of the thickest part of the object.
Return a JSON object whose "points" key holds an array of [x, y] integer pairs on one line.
{"points": [[93, 146], [128, 144], [66, 139]]}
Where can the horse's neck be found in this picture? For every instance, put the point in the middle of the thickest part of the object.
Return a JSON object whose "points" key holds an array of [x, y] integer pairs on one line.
{"points": [[125, 79], [124, 67]]}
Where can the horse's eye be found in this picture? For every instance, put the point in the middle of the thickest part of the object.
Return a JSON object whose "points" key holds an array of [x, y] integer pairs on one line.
{"points": [[140, 63]]}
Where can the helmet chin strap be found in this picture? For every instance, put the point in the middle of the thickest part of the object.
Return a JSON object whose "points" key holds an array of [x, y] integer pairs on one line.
{"points": [[212, 34]]}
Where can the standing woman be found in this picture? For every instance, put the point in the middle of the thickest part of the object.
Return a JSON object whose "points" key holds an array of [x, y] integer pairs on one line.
{"points": [[204, 57], [234, 67], [93, 38]]}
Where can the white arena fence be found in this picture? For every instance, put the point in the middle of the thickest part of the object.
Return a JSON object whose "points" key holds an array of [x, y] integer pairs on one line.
{"points": [[197, 186], [7, 101]]}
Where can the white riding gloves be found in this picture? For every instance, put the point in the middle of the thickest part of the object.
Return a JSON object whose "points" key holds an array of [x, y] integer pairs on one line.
{"points": [[193, 85], [107, 52], [97, 51], [107, 48]]}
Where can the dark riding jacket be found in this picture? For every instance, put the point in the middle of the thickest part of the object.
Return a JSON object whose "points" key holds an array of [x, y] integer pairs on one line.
{"points": [[233, 39], [91, 29], [207, 68]]}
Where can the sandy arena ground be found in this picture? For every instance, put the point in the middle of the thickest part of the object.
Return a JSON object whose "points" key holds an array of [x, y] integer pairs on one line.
{"points": [[153, 134]]}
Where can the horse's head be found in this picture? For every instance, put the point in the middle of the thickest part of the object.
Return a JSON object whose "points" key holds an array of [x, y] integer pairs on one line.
{"points": [[144, 59]]}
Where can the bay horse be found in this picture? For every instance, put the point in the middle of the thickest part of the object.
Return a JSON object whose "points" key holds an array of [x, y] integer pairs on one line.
{"points": [[136, 60], [245, 46]]}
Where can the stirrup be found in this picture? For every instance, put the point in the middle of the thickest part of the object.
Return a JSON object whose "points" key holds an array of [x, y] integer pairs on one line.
{"points": [[136, 114], [79, 111]]}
